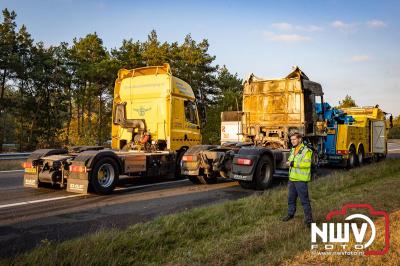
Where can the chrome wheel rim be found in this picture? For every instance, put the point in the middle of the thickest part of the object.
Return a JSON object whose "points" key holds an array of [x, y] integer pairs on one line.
{"points": [[106, 175]]}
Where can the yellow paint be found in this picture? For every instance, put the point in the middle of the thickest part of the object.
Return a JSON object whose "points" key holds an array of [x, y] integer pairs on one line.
{"points": [[153, 94], [274, 108], [31, 170], [359, 132]]}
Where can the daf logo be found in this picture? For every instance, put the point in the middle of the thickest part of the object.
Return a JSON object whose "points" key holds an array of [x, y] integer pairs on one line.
{"points": [[30, 181], [141, 111], [76, 186]]}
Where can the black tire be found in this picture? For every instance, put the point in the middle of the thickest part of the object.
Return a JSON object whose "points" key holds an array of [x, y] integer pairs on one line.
{"points": [[179, 156], [203, 179], [247, 184], [351, 161], [264, 173], [104, 184], [360, 156], [194, 179]]}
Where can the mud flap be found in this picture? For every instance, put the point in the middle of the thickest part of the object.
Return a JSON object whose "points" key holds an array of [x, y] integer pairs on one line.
{"points": [[77, 185], [31, 181]]}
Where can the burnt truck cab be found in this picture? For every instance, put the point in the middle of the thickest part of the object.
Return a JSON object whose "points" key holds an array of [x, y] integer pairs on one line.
{"points": [[255, 142]]}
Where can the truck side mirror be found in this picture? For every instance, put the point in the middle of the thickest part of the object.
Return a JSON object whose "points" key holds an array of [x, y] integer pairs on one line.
{"points": [[391, 121], [203, 116]]}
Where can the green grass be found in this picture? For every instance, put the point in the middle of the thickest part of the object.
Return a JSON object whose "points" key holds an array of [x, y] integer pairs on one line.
{"points": [[11, 165], [245, 231]]}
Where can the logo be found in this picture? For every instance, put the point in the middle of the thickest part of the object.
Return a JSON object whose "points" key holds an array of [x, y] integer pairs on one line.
{"points": [[76, 186], [142, 111], [30, 182], [353, 236]]}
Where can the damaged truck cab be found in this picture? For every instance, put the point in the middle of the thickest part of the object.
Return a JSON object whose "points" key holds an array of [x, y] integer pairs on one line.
{"points": [[255, 141]]}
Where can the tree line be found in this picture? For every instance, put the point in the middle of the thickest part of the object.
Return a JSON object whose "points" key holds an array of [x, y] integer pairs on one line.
{"points": [[61, 95]]}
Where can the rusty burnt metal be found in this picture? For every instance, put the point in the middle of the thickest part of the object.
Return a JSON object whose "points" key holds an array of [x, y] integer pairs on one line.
{"points": [[275, 108]]}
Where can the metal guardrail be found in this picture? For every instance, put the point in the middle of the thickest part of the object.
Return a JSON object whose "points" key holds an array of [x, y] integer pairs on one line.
{"points": [[14, 156]]}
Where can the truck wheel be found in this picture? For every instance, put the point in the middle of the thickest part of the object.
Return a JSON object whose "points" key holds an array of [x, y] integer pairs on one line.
{"points": [[351, 161], [179, 156], [104, 176], [247, 184], [264, 173], [203, 179], [360, 156], [194, 179]]}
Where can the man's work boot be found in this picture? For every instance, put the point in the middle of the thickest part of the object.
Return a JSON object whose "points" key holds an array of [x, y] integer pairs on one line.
{"points": [[287, 218], [308, 223]]}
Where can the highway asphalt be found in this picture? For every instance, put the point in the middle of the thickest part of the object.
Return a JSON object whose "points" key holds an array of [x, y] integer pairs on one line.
{"points": [[29, 216]]}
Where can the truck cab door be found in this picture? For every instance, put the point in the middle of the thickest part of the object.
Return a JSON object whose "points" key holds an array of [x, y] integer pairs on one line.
{"points": [[192, 124]]}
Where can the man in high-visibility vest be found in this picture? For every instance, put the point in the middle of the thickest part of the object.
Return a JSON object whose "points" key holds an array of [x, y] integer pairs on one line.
{"points": [[299, 163]]}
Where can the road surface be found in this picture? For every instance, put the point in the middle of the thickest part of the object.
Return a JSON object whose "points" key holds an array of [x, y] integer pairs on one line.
{"points": [[29, 216]]}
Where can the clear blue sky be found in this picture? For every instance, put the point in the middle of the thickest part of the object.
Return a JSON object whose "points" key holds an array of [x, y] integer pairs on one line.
{"points": [[350, 47]]}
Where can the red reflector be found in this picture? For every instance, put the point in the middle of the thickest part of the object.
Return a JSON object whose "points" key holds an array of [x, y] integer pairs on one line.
{"points": [[343, 152], [27, 165], [243, 161], [77, 169], [189, 158]]}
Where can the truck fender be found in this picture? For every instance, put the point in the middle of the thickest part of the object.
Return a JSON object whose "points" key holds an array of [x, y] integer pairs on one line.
{"points": [[89, 158], [256, 153], [259, 151], [45, 152]]}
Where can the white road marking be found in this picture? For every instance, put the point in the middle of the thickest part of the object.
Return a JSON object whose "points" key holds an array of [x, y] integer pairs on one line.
{"points": [[79, 195], [38, 201], [11, 171]]}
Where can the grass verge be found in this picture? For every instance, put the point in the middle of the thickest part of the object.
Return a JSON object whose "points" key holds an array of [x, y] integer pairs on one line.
{"points": [[245, 231]]}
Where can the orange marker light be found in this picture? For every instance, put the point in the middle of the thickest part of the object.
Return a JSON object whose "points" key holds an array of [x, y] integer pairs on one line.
{"points": [[77, 169]]}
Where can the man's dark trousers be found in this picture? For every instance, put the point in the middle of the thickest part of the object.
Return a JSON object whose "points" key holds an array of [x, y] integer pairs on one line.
{"points": [[299, 189]]}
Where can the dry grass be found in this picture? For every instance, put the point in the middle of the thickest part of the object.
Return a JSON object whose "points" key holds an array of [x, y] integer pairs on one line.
{"points": [[242, 232]]}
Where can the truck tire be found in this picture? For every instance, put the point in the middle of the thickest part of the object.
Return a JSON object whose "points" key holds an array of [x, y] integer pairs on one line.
{"points": [[179, 156], [351, 161], [194, 179], [203, 179], [360, 156], [104, 176], [264, 173]]}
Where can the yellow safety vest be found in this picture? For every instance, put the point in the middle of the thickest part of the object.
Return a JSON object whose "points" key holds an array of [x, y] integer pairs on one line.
{"points": [[301, 170]]}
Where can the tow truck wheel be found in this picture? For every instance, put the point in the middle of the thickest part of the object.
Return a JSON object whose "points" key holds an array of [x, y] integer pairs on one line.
{"points": [[351, 161], [104, 176], [360, 156], [264, 173]]}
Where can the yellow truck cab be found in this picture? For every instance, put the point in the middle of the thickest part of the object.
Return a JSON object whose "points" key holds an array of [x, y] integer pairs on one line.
{"points": [[154, 121], [155, 102]]}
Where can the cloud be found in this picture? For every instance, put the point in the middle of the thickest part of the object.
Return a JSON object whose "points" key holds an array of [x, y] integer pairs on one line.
{"points": [[338, 24], [360, 58], [349, 27], [285, 37], [284, 26], [376, 24]]}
